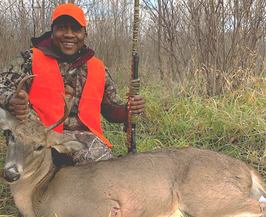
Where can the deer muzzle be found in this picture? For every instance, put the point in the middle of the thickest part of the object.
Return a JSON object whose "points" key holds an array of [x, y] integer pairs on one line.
{"points": [[11, 174]]}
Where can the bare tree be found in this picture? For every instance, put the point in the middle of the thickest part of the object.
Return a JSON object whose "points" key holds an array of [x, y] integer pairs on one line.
{"points": [[181, 39], [215, 35]]}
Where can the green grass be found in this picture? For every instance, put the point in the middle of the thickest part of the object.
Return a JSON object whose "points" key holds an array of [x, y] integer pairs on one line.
{"points": [[233, 123]]}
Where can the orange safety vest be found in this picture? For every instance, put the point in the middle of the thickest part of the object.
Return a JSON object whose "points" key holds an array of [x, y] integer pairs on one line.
{"points": [[46, 99]]}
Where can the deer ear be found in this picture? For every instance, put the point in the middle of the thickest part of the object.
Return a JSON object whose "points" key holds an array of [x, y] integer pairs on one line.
{"points": [[69, 147], [7, 120], [3, 120], [63, 143]]}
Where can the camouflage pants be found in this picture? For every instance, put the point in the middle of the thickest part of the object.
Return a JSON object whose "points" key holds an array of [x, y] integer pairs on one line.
{"points": [[96, 149]]}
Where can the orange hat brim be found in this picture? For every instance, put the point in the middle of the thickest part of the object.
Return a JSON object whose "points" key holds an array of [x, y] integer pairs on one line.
{"points": [[71, 10]]}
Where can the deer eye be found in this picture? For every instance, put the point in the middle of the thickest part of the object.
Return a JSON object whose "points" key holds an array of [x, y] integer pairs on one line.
{"points": [[7, 133], [40, 147]]}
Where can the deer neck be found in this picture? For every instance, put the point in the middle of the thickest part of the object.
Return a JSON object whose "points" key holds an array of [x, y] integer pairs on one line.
{"points": [[26, 190]]}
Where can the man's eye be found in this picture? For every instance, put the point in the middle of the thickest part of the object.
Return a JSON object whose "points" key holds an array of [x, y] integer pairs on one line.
{"points": [[76, 29], [61, 27]]}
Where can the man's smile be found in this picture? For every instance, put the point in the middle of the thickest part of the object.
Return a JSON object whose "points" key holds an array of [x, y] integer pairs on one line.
{"points": [[70, 44]]}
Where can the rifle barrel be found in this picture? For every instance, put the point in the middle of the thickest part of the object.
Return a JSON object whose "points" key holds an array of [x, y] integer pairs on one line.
{"points": [[134, 82]]}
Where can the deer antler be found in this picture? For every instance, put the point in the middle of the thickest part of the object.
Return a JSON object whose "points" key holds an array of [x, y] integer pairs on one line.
{"points": [[21, 83], [67, 111]]}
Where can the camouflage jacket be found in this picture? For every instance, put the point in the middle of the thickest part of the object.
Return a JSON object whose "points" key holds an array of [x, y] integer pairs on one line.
{"points": [[74, 74]]}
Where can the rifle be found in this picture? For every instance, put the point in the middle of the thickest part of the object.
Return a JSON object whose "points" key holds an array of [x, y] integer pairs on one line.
{"points": [[134, 83]]}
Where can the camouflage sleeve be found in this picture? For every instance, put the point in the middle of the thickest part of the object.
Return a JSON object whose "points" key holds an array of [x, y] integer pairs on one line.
{"points": [[12, 74], [113, 107]]}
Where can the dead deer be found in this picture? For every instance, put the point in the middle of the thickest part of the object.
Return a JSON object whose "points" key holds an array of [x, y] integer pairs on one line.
{"points": [[201, 183]]}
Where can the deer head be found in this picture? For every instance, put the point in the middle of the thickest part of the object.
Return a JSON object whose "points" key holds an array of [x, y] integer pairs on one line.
{"points": [[29, 140]]}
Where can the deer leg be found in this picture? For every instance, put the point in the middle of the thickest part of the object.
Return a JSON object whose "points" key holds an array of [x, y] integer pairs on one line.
{"points": [[246, 208], [230, 207]]}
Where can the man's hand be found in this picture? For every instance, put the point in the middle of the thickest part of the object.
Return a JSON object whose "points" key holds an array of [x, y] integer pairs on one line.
{"points": [[19, 105], [136, 105]]}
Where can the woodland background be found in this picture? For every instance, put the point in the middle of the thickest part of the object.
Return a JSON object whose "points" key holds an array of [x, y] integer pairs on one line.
{"points": [[202, 69], [204, 45]]}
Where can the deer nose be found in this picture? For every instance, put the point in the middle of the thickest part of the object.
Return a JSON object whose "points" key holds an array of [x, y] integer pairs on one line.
{"points": [[11, 174]]}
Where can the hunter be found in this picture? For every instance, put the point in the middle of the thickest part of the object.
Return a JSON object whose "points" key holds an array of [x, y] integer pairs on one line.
{"points": [[64, 64]]}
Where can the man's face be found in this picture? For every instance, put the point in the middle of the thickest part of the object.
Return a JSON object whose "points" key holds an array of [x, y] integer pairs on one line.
{"points": [[68, 36]]}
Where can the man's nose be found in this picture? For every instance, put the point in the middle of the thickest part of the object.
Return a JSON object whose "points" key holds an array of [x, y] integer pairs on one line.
{"points": [[69, 33]]}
